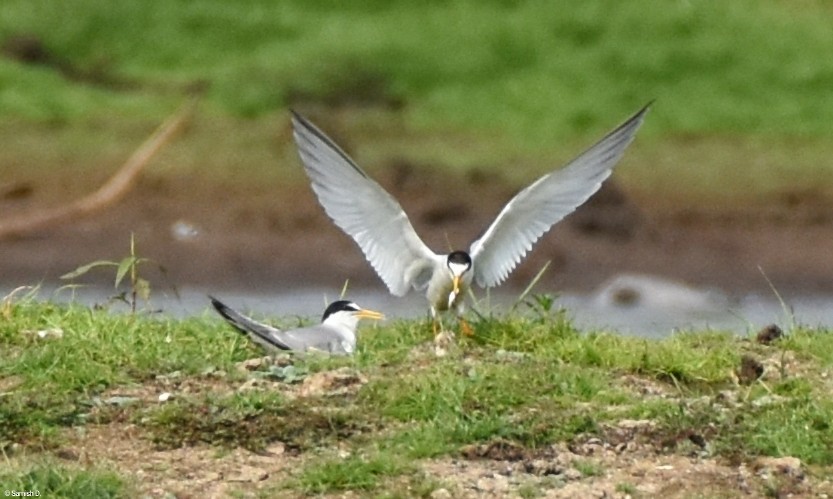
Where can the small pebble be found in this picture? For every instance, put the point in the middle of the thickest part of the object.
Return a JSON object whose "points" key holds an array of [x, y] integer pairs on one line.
{"points": [[769, 334], [750, 370]]}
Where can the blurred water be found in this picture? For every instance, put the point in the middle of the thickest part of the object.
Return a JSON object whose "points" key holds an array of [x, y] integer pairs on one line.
{"points": [[629, 304]]}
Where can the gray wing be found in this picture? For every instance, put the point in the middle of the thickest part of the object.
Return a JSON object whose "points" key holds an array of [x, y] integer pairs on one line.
{"points": [[318, 337], [262, 334], [534, 210], [363, 210]]}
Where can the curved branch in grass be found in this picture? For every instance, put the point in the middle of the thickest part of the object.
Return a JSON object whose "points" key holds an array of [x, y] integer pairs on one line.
{"points": [[114, 189]]}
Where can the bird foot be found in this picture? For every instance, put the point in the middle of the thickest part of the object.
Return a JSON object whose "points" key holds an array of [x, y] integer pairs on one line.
{"points": [[465, 328]]}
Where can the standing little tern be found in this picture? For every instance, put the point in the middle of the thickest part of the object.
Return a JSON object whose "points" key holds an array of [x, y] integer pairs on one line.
{"points": [[336, 334], [376, 221]]}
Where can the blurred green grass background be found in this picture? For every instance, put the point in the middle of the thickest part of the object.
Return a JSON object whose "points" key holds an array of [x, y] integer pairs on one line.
{"points": [[743, 89]]}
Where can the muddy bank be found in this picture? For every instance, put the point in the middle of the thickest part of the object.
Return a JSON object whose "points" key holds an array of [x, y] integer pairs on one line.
{"points": [[259, 237]]}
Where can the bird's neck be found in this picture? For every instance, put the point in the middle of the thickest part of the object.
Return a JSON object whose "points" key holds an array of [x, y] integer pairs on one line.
{"points": [[346, 329]]}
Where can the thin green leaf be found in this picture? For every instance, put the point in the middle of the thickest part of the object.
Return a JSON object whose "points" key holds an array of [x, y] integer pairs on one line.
{"points": [[86, 268], [124, 266]]}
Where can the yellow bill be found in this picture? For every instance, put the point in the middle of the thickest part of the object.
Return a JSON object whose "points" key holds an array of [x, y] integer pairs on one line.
{"points": [[369, 314]]}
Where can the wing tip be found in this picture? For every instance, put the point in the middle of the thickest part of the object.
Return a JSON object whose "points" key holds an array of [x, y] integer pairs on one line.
{"points": [[219, 306], [308, 138], [297, 120], [636, 118]]}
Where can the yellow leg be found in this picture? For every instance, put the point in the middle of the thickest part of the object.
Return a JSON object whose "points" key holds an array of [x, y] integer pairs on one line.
{"points": [[436, 323]]}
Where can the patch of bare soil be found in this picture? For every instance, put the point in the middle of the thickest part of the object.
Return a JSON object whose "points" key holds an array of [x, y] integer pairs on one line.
{"points": [[258, 237], [629, 458], [199, 469], [598, 468], [619, 467], [632, 458], [624, 458], [194, 471]]}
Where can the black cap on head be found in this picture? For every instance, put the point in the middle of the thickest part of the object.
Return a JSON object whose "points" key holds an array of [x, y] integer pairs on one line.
{"points": [[339, 306], [459, 257]]}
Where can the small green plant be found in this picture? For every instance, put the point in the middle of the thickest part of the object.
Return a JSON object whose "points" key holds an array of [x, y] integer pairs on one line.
{"points": [[139, 287], [588, 468], [6, 303], [542, 305], [626, 488], [50, 479], [522, 297], [355, 472], [529, 491]]}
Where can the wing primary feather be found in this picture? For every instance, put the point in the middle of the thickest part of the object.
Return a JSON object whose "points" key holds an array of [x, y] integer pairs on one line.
{"points": [[302, 123], [534, 210], [360, 207], [259, 333]]}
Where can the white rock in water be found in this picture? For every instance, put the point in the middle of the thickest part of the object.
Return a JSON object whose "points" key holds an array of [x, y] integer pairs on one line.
{"points": [[632, 290], [184, 231]]}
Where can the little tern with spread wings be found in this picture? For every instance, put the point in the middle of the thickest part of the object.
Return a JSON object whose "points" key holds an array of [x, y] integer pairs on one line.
{"points": [[335, 335], [376, 221]]}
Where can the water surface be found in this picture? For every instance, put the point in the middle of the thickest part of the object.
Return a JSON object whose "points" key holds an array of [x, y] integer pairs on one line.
{"points": [[629, 304]]}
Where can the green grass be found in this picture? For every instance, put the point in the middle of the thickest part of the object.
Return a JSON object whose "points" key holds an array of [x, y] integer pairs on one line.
{"points": [[742, 88], [355, 473], [585, 61], [526, 381], [54, 480]]}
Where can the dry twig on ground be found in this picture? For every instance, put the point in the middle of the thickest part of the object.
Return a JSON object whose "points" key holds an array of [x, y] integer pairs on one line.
{"points": [[114, 189]]}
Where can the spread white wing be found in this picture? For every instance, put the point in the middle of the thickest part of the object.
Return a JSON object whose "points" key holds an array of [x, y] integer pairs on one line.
{"points": [[534, 210], [365, 211]]}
